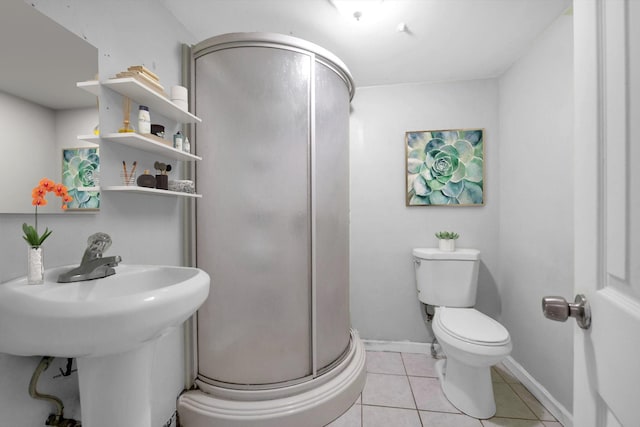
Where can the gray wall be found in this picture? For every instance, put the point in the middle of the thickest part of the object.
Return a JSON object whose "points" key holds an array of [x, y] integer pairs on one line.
{"points": [[384, 303], [536, 205], [145, 229], [525, 230]]}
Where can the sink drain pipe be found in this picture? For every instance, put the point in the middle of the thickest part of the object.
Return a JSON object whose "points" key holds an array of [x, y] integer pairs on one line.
{"points": [[56, 419]]}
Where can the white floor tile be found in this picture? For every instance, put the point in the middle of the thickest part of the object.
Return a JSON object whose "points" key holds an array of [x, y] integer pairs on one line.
{"points": [[419, 365], [377, 416], [429, 396], [506, 374], [441, 419], [495, 376], [390, 398], [383, 362], [509, 404], [533, 403], [388, 390]]}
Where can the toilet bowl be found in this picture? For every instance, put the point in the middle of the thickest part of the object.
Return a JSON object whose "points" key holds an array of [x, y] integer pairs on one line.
{"points": [[472, 342]]}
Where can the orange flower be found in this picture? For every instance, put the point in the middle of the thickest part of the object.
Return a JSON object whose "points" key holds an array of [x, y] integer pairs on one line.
{"points": [[39, 201], [38, 192], [47, 184], [60, 190]]}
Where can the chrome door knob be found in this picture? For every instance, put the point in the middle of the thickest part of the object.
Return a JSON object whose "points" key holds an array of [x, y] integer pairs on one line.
{"points": [[557, 308]]}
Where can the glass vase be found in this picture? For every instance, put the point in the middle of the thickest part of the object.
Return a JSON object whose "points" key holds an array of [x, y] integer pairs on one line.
{"points": [[35, 265]]}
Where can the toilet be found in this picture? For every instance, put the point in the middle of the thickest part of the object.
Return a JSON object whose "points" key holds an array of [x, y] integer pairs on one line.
{"points": [[471, 341]]}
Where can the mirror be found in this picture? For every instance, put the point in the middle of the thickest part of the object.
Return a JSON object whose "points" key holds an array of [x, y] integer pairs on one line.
{"points": [[41, 109]]}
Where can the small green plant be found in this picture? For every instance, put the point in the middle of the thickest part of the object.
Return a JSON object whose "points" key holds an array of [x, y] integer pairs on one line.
{"points": [[448, 235]]}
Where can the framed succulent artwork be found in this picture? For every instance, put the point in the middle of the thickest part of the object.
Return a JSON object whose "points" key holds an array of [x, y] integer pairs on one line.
{"points": [[445, 167], [80, 174]]}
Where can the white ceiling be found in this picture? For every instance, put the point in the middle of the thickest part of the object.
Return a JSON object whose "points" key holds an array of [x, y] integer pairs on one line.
{"points": [[446, 39]]}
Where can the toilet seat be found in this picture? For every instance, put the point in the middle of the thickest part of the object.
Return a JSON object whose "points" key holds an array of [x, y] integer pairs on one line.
{"points": [[471, 326]]}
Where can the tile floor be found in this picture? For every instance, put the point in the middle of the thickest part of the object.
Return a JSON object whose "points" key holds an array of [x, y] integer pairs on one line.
{"points": [[402, 390]]}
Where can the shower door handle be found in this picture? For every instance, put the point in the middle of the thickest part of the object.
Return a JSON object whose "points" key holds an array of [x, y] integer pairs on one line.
{"points": [[557, 308]]}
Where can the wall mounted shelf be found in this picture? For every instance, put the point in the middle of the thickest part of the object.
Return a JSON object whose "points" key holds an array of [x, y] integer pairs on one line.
{"points": [[136, 189], [132, 88], [141, 142], [157, 103]]}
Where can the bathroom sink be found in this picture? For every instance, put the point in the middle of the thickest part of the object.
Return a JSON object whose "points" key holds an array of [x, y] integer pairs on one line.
{"points": [[99, 317], [110, 325]]}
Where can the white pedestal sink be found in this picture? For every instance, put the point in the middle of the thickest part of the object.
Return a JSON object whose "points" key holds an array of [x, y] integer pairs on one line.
{"points": [[109, 325]]}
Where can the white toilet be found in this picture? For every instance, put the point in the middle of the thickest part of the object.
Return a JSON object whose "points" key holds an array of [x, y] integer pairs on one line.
{"points": [[472, 341]]}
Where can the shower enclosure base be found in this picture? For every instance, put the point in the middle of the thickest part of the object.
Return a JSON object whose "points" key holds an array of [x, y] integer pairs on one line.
{"points": [[311, 404]]}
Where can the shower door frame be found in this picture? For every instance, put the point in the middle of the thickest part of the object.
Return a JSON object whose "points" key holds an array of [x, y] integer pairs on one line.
{"points": [[316, 55]]}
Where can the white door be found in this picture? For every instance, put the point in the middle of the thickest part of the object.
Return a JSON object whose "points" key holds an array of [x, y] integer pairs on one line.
{"points": [[607, 212]]}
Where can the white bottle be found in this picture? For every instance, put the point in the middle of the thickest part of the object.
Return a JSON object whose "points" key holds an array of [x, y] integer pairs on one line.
{"points": [[144, 120], [186, 145]]}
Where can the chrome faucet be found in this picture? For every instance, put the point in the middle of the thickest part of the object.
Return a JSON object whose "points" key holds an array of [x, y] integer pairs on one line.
{"points": [[93, 265]]}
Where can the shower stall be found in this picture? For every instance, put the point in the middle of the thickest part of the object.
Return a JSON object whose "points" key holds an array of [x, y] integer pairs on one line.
{"points": [[274, 343]]}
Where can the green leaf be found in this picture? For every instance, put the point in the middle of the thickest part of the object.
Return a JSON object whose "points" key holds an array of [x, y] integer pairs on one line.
{"points": [[465, 150], [473, 136], [437, 198], [459, 174], [31, 235], [434, 144], [420, 186], [471, 195], [417, 200], [413, 165], [475, 170], [453, 189]]}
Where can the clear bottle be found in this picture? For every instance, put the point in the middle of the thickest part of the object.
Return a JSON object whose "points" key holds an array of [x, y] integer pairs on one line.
{"points": [[186, 145], [144, 120]]}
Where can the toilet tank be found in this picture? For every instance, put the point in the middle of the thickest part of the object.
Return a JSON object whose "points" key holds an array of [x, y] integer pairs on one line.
{"points": [[447, 278]]}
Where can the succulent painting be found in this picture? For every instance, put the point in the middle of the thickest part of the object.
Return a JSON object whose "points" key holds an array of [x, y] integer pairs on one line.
{"points": [[445, 167], [80, 171]]}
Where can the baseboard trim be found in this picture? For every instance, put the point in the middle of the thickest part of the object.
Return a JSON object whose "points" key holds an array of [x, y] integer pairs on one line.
{"points": [[397, 346], [542, 394]]}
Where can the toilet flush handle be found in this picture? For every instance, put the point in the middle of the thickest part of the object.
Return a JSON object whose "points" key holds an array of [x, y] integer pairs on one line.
{"points": [[557, 308]]}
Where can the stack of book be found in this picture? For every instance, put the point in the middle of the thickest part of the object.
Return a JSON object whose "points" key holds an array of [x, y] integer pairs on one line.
{"points": [[144, 76]]}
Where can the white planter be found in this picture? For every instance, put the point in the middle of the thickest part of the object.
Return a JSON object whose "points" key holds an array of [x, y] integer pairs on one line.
{"points": [[447, 245]]}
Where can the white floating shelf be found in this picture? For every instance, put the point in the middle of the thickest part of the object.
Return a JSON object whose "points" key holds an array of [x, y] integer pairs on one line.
{"points": [[91, 86], [138, 92], [141, 142], [136, 189]]}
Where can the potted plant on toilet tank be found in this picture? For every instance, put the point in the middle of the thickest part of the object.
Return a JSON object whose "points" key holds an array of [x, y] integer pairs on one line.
{"points": [[447, 240]]}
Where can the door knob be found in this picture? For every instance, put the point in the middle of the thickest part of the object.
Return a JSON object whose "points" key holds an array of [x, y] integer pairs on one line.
{"points": [[557, 308]]}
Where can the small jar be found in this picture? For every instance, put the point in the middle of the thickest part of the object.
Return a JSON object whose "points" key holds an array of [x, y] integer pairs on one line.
{"points": [[146, 180], [144, 120], [177, 141]]}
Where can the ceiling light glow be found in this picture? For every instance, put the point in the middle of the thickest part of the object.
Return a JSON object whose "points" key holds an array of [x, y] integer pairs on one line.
{"points": [[359, 10]]}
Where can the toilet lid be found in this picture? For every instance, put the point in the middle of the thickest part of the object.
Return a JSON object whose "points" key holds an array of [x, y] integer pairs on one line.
{"points": [[472, 326]]}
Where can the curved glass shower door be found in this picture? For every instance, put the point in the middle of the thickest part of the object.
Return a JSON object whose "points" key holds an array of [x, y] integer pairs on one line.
{"points": [[274, 342], [253, 225]]}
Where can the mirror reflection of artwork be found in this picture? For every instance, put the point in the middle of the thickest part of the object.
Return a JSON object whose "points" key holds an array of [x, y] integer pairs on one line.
{"points": [[445, 167], [81, 176]]}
